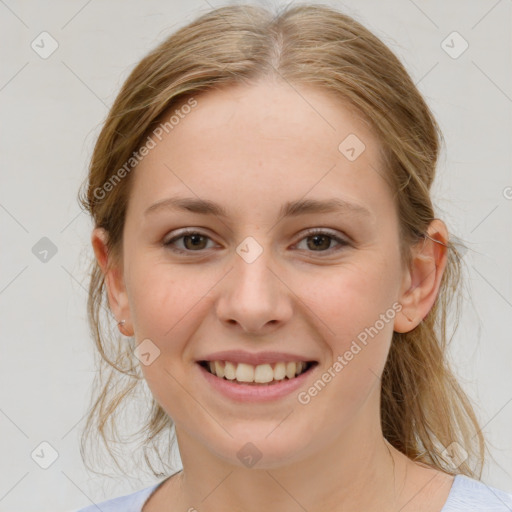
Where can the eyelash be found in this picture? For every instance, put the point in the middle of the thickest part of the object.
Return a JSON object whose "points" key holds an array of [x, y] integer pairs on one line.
{"points": [[312, 232]]}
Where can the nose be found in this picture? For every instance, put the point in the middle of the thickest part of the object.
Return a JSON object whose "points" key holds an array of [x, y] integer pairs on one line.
{"points": [[254, 297]]}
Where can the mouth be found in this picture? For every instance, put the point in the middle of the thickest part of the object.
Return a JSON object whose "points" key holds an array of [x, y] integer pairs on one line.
{"points": [[257, 375]]}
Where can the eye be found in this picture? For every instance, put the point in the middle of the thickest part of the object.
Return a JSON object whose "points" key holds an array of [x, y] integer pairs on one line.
{"points": [[193, 241], [321, 240]]}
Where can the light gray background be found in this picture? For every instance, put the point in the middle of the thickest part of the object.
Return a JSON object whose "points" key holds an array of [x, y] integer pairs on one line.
{"points": [[52, 110]]}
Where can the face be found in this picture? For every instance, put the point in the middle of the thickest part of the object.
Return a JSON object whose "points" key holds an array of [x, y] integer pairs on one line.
{"points": [[315, 284]]}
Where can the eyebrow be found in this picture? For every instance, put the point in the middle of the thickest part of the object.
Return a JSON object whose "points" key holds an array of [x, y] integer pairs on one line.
{"points": [[289, 209]]}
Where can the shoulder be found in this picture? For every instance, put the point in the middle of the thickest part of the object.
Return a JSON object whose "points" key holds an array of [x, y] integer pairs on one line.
{"points": [[472, 495], [128, 503]]}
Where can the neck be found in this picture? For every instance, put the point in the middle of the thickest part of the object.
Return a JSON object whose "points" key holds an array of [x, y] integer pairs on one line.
{"points": [[357, 471]]}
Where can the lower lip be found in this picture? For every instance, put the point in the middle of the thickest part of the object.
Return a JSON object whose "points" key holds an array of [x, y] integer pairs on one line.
{"points": [[254, 392]]}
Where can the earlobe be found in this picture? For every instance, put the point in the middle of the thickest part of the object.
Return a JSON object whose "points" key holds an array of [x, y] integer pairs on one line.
{"points": [[114, 282], [423, 278]]}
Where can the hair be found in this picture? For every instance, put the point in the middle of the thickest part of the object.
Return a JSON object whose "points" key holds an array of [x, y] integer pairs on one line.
{"points": [[423, 407]]}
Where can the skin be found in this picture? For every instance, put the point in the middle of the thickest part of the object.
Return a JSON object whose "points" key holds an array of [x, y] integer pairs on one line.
{"points": [[251, 149]]}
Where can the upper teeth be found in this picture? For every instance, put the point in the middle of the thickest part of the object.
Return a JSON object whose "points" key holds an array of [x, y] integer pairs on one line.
{"points": [[261, 373]]}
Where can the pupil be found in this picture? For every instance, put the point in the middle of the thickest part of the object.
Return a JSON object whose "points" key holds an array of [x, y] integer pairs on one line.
{"points": [[324, 237], [194, 238]]}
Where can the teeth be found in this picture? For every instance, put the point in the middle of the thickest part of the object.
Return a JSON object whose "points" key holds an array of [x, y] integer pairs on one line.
{"points": [[244, 373], [229, 371], [261, 374], [279, 371], [219, 369], [291, 370]]}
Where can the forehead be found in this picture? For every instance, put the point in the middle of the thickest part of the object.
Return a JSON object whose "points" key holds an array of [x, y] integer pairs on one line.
{"points": [[268, 141]]}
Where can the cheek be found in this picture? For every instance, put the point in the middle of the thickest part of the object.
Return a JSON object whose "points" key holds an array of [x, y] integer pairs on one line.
{"points": [[354, 305], [155, 301], [350, 298], [166, 299], [370, 318], [166, 302]]}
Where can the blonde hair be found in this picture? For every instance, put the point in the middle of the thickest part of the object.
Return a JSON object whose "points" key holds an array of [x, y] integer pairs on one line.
{"points": [[423, 408]]}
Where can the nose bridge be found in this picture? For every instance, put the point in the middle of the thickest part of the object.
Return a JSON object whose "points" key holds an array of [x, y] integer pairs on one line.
{"points": [[252, 295], [252, 274]]}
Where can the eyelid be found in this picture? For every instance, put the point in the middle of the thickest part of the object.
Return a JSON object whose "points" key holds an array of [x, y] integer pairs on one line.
{"points": [[325, 231]]}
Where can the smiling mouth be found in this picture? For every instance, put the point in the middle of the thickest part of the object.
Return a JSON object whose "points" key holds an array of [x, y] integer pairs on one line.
{"points": [[262, 374]]}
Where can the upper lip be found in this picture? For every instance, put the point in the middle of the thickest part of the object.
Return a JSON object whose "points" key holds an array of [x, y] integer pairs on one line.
{"points": [[241, 356]]}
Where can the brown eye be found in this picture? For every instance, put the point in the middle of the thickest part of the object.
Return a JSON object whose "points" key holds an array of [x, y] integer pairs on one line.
{"points": [[192, 241], [320, 241]]}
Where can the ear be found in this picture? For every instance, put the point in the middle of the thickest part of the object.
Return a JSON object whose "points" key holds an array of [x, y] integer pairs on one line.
{"points": [[422, 279], [114, 282]]}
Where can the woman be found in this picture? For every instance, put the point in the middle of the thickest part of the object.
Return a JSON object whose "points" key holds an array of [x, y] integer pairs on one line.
{"points": [[265, 236]]}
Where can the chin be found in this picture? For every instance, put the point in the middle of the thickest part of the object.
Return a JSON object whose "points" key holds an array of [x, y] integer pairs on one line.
{"points": [[261, 448]]}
